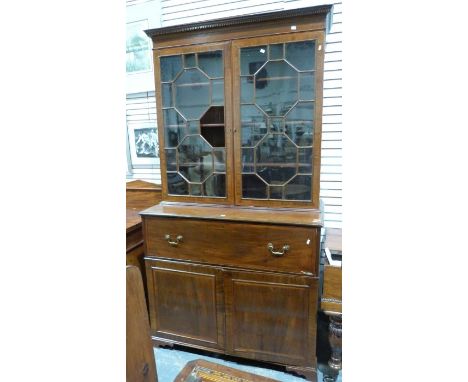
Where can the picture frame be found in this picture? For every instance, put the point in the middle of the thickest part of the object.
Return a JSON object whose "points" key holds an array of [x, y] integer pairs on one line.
{"points": [[143, 144], [138, 48]]}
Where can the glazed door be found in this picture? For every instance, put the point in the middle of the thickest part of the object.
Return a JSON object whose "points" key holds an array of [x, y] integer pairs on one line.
{"points": [[277, 105], [186, 303], [194, 120], [271, 317]]}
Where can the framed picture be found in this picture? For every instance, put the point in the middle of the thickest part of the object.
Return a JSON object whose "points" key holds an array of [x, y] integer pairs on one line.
{"points": [[143, 144], [138, 48]]}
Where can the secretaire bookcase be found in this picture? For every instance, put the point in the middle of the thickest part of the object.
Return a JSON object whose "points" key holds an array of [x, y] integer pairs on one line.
{"points": [[232, 251]]}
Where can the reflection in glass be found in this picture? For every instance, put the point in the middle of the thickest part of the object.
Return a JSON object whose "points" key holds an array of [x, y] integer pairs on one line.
{"points": [[299, 188], [252, 58], [192, 93], [170, 67], [215, 185], [176, 185], [307, 86], [211, 63], [219, 156], [253, 125], [301, 54], [277, 93], [300, 124], [304, 156], [217, 87], [174, 129], [247, 89], [253, 187], [276, 51], [189, 61], [195, 158], [171, 160], [276, 159], [167, 100], [276, 88]]}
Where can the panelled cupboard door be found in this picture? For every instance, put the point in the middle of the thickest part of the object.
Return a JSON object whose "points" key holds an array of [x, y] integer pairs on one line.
{"points": [[277, 117], [271, 317], [194, 120], [186, 302]]}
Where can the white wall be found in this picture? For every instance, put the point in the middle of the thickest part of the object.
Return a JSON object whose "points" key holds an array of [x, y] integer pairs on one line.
{"points": [[175, 12]]}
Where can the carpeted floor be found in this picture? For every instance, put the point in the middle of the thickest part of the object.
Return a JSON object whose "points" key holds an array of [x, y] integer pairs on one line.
{"points": [[169, 362]]}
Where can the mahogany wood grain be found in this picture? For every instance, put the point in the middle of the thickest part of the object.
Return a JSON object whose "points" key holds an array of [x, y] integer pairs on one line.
{"points": [[186, 302], [141, 366], [268, 316], [281, 216], [234, 243], [331, 299]]}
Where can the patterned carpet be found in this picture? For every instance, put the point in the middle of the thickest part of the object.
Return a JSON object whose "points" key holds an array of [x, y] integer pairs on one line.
{"points": [[170, 362]]}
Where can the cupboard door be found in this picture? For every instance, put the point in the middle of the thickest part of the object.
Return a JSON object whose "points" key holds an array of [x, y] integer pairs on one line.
{"points": [[271, 317], [277, 115], [186, 303], [194, 122]]}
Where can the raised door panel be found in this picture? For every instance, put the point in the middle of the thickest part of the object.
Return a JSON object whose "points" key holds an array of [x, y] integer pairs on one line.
{"points": [[186, 304], [271, 317]]}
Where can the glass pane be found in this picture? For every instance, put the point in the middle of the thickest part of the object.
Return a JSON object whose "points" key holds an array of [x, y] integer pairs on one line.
{"points": [[247, 89], [276, 125], [192, 93], [304, 156], [276, 192], [276, 88], [307, 86], [219, 156], [276, 51], [253, 187], [194, 127], [211, 63], [215, 185], [170, 67], [217, 97], [251, 59], [171, 160], [276, 159], [167, 95], [189, 60], [174, 128], [176, 184], [195, 189], [253, 125], [248, 160], [299, 188], [195, 158], [300, 124], [212, 126], [301, 54]]}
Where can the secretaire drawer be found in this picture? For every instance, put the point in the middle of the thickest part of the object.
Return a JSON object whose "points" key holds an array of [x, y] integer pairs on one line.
{"points": [[258, 246]]}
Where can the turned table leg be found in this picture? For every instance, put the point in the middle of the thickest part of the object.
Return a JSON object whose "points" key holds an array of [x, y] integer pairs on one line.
{"points": [[334, 336]]}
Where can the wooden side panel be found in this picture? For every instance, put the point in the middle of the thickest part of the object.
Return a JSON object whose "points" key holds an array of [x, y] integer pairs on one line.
{"points": [[141, 366], [271, 317], [331, 296], [186, 303]]}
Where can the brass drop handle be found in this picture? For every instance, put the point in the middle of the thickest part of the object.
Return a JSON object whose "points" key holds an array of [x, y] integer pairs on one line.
{"points": [[277, 253], [171, 242]]}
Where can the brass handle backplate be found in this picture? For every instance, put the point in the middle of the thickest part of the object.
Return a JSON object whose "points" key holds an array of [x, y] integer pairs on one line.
{"points": [[271, 248], [172, 242]]}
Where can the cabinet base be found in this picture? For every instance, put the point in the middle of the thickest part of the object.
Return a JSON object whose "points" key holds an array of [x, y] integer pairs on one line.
{"points": [[309, 373]]}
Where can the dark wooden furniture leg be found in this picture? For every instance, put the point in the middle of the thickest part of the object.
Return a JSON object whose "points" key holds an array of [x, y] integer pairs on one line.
{"points": [[334, 337]]}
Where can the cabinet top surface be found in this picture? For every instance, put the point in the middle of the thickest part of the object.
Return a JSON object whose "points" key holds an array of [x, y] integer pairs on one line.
{"points": [[241, 20], [289, 216]]}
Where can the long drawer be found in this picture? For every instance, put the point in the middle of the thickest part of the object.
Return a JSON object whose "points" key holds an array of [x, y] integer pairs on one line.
{"points": [[282, 248]]}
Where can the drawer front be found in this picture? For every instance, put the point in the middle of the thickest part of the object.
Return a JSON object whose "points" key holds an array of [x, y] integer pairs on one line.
{"points": [[255, 246]]}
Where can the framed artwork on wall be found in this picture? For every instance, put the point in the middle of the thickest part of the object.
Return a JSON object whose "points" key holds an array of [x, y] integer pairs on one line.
{"points": [[143, 144], [139, 48]]}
